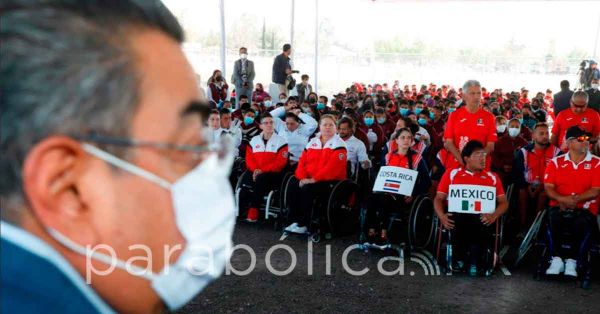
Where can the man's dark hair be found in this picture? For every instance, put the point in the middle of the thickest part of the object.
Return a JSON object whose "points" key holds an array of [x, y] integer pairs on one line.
{"points": [[245, 106], [304, 77], [265, 115], [564, 84], [470, 148], [541, 125], [293, 116], [348, 121], [287, 47], [224, 111], [68, 67]]}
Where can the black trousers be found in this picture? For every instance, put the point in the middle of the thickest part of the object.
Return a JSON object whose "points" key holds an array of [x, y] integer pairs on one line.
{"points": [[252, 192], [380, 206], [568, 230], [301, 200], [471, 236]]}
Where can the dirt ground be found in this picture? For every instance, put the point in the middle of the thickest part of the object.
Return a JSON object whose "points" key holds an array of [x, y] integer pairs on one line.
{"points": [[338, 291]]}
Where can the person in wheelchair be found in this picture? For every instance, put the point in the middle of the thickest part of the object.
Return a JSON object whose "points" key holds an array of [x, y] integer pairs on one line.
{"points": [[528, 173], [266, 156], [572, 182], [357, 151], [323, 161], [380, 205], [472, 234]]}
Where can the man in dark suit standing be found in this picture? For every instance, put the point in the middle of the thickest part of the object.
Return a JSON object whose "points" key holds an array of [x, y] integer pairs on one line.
{"points": [[282, 68], [303, 88], [594, 94], [562, 99], [243, 76]]}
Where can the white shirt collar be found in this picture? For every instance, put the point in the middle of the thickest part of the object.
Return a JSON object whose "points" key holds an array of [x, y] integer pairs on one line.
{"points": [[588, 157]]}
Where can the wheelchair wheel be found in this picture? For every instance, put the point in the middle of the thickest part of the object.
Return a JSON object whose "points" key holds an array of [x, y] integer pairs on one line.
{"points": [[285, 184], [422, 223], [343, 208], [237, 191], [531, 236], [282, 217]]}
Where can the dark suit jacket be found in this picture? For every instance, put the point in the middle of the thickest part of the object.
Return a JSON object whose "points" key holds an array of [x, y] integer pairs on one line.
{"points": [[301, 92], [562, 101], [34, 284], [236, 77], [280, 64], [594, 101]]}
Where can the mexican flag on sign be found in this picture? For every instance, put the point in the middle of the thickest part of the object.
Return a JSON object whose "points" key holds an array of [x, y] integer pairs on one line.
{"points": [[473, 205]]}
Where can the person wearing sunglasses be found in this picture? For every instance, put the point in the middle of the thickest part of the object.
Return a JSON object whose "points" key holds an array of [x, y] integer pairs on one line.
{"points": [[572, 182], [578, 115], [112, 199]]}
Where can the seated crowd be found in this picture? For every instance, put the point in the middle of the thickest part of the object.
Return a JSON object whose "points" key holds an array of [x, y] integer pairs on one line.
{"points": [[469, 135]]}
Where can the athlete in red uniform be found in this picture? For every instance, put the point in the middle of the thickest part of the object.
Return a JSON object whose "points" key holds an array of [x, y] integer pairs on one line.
{"points": [[323, 161], [578, 115], [266, 156], [572, 182], [381, 204], [470, 231], [469, 123]]}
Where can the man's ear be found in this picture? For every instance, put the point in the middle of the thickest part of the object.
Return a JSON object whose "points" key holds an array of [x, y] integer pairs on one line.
{"points": [[51, 175]]}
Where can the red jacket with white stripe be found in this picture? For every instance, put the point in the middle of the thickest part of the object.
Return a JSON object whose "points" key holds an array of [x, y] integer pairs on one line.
{"points": [[323, 162], [268, 157]]}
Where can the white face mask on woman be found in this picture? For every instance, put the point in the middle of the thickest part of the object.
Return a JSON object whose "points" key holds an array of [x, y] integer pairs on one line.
{"points": [[500, 128], [204, 214], [514, 132]]}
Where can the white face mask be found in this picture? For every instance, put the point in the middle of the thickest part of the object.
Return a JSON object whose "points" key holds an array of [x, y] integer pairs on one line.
{"points": [[204, 213], [500, 128], [268, 103], [514, 132], [595, 86], [244, 56]]}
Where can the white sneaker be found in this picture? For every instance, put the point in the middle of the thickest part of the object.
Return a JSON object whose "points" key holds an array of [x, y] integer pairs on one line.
{"points": [[556, 266], [291, 227], [571, 267], [300, 230]]}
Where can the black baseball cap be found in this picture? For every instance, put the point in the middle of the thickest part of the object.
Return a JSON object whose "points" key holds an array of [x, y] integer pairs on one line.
{"points": [[575, 132]]}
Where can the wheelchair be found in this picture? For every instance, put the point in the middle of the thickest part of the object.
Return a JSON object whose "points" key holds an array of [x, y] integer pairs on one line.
{"points": [[411, 228], [273, 202], [336, 214], [539, 238], [444, 249]]}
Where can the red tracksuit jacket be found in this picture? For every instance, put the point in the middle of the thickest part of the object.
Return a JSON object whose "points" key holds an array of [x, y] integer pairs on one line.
{"points": [[268, 157], [323, 162]]}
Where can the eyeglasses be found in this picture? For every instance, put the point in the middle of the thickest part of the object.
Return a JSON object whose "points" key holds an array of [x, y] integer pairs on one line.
{"points": [[479, 154], [223, 146]]}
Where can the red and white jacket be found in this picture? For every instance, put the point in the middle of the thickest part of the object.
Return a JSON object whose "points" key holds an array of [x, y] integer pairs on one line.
{"points": [[271, 156], [323, 162]]}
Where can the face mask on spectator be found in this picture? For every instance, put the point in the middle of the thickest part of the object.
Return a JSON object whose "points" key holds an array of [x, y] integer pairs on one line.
{"points": [[431, 116], [403, 111], [595, 86], [451, 110], [500, 128], [244, 56], [248, 120], [418, 110], [369, 121], [268, 103], [381, 120], [422, 121], [514, 132], [320, 106]]}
